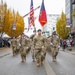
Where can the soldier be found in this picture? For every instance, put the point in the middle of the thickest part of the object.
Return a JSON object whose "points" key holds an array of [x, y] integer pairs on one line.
{"points": [[39, 44], [18, 42], [49, 46], [55, 46], [24, 46], [44, 50], [14, 45], [28, 44], [33, 53]]}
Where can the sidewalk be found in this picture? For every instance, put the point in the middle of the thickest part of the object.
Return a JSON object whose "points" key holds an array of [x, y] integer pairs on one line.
{"points": [[4, 51], [73, 50], [66, 50]]}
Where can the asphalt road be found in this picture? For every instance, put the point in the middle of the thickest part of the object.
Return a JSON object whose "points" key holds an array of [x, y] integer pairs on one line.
{"points": [[12, 65], [65, 64]]}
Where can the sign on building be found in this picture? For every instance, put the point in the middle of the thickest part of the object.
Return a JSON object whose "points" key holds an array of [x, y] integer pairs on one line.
{"points": [[14, 26], [67, 22]]}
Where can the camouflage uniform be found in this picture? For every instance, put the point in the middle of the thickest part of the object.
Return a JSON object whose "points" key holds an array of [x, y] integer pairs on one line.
{"points": [[49, 46], [23, 48], [55, 46], [14, 45], [39, 44], [28, 44], [18, 44], [33, 53]]}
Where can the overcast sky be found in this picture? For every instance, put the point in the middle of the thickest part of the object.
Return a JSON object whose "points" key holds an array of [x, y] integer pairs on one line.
{"points": [[23, 6]]}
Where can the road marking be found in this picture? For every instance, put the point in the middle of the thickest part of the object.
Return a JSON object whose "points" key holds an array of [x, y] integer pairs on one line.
{"points": [[48, 68], [5, 55]]}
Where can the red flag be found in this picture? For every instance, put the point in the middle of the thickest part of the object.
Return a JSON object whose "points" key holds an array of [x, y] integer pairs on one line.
{"points": [[42, 15], [31, 13]]}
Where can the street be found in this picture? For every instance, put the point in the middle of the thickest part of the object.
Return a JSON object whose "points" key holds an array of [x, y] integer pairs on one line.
{"points": [[65, 64], [12, 65]]}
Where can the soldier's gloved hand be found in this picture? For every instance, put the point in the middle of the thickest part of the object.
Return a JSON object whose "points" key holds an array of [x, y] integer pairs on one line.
{"points": [[19, 44], [42, 46], [51, 43], [26, 47], [58, 46]]}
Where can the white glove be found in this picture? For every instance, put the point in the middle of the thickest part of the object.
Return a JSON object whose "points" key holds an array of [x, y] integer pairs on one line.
{"points": [[58, 46], [27, 47], [42, 46], [51, 43], [19, 44]]}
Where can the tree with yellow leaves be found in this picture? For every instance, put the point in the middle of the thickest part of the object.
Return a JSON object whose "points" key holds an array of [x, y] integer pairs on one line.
{"points": [[10, 19], [61, 28]]}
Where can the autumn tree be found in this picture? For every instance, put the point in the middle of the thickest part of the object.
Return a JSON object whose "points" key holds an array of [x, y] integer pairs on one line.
{"points": [[19, 25], [10, 18], [61, 28]]}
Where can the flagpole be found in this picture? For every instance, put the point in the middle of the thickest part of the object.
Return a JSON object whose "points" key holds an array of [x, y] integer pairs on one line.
{"points": [[42, 28], [34, 28]]}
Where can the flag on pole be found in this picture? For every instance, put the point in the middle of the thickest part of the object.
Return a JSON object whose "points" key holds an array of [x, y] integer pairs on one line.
{"points": [[42, 15], [29, 25], [31, 13], [29, 22]]}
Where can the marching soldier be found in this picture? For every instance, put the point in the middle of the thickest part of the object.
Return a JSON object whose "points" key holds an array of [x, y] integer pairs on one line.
{"points": [[23, 48], [33, 53], [14, 45], [39, 44], [25, 45], [49, 46], [18, 44], [55, 46], [28, 43]]}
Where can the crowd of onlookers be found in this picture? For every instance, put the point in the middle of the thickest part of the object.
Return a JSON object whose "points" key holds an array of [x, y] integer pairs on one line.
{"points": [[4, 42], [65, 43]]}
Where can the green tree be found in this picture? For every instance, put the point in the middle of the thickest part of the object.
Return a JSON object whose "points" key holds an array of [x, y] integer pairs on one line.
{"points": [[61, 28]]}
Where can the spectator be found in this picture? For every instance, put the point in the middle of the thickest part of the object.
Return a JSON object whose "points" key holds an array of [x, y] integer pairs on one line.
{"points": [[64, 44]]}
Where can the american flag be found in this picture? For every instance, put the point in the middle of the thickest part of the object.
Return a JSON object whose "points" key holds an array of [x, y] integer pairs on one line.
{"points": [[29, 22], [31, 14]]}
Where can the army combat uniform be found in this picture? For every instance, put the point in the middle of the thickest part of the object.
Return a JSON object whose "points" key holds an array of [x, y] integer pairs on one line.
{"points": [[32, 50], [55, 46], [18, 44], [24, 47], [49, 46], [39, 44], [14, 45], [28, 44]]}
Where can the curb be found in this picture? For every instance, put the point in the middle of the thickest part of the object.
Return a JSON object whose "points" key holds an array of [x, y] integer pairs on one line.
{"points": [[48, 68], [5, 55]]}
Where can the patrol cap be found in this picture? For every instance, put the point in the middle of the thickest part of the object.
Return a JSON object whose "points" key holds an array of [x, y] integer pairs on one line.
{"points": [[39, 30]]}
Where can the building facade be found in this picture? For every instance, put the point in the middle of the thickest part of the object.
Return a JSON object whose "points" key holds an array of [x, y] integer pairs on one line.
{"points": [[70, 10], [50, 27]]}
